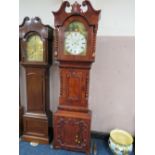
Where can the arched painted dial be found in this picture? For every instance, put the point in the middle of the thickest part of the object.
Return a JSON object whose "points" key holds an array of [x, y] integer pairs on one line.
{"points": [[75, 43]]}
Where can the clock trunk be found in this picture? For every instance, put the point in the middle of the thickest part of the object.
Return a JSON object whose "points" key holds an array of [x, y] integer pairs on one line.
{"points": [[74, 87]]}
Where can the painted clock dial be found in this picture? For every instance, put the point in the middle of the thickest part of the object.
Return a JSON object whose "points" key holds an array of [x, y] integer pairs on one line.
{"points": [[34, 49], [75, 39]]}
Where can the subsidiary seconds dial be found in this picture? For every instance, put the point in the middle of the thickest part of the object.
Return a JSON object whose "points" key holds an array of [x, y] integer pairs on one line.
{"points": [[75, 43]]}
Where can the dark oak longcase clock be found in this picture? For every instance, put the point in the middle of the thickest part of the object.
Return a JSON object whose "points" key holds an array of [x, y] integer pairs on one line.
{"points": [[75, 38], [36, 57]]}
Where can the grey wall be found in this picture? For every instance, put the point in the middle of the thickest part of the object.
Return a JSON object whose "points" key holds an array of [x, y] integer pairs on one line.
{"points": [[111, 97], [112, 84]]}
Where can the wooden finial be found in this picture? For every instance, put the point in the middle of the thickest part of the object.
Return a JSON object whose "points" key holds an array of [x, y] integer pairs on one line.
{"points": [[76, 7]]}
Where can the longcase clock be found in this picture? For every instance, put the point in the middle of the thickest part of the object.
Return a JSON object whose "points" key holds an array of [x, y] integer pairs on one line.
{"points": [[75, 37], [36, 57]]}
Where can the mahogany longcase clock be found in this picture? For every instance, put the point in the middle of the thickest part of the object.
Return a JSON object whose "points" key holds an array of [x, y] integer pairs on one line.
{"points": [[75, 37], [36, 57]]}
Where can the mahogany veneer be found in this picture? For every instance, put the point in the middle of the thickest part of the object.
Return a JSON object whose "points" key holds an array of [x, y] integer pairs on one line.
{"points": [[72, 121], [71, 130]]}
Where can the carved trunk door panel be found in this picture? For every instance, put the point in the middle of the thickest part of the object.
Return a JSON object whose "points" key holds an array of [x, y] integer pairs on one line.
{"points": [[35, 89], [74, 87], [74, 133]]}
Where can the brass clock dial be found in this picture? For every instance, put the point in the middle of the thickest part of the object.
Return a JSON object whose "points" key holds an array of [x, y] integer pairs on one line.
{"points": [[34, 49]]}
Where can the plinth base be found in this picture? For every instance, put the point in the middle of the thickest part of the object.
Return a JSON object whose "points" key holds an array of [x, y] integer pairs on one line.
{"points": [[36, 128], [72, 131]]}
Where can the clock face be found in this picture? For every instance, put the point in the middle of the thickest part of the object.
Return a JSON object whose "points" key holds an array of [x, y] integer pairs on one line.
{"points": [[75, 39], [75, 43], [34, 49]]}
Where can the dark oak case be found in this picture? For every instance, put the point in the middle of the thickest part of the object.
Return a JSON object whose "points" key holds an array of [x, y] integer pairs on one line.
{"points": [[38, 116], [72, 121], [21, 108], [21, 111]]}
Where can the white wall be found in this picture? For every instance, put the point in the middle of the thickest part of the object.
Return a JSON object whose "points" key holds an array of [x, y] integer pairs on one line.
{"points": [[117, 17], [112, 76]]}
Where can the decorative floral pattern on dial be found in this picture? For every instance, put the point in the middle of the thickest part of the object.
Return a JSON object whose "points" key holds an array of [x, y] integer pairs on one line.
{"points": [[75, 43], [75, 39]]}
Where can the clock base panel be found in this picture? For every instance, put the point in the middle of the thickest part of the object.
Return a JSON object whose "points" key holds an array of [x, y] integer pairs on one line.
{"points": [[72, 131], [36, 128]]}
